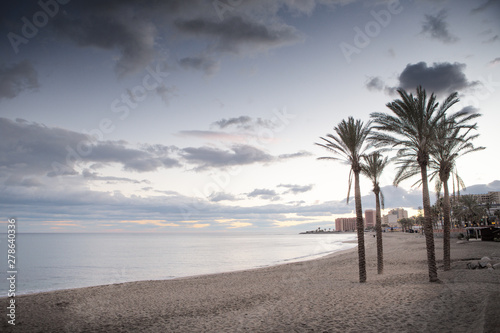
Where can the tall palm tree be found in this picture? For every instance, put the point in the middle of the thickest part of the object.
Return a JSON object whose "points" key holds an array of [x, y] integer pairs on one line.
{"points": [[349, 143], [411, 129], [453, 140], [372, 168]]}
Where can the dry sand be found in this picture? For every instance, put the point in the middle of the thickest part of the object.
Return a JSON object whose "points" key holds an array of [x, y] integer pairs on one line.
{"points": [[321, 295]]}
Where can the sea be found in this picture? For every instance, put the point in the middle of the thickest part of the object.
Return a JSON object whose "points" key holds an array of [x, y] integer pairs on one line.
{"points": [[54, 261]]}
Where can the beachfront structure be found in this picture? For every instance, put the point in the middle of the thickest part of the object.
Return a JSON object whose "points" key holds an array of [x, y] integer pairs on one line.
{"points": [[492, 198], [345, 224], [370, 218]]}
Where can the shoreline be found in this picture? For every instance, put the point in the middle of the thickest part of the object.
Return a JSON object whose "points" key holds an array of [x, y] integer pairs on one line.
{"points": [[283, 262], [321, 294]]}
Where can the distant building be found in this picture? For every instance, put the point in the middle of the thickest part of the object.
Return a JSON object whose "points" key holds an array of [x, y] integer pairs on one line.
{"points": [[394, 215], [492, 198], [345, 224], [370, 218], [390, 219], [400, 213]]}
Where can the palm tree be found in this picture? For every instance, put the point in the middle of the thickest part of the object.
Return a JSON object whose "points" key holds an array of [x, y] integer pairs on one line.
{"points": [[411, 129], [372, 168], [471, 211], [451, 143], [349, 144]]}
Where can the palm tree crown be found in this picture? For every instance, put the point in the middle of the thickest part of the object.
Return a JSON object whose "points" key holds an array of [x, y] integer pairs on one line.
{"points": [[372, 168], [453, 139], [411, 128], [349, 144]]}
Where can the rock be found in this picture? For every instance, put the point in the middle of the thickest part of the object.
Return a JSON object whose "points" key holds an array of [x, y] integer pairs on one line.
{"points": [[496, 266], [473, 264], [485, 259], [483, 264]]}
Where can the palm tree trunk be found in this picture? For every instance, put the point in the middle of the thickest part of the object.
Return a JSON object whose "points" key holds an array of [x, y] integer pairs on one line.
{"points": [[446, 228], [378, 228], [429, 234], [360, 228]]}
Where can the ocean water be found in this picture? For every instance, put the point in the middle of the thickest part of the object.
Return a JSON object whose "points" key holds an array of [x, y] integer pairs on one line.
{"points": [[46, 262]]}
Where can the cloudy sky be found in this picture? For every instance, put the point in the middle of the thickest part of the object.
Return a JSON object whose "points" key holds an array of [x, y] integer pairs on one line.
{"points": [[178, 116]]}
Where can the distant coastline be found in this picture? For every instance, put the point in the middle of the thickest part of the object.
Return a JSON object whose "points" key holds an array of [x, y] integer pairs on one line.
{"points": [[324, 231]]}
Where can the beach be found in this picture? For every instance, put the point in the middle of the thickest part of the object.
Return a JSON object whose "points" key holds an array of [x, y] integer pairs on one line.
{"points": [[321, 295]]}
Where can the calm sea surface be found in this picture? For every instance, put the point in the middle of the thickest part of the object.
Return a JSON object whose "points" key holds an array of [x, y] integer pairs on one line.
{"points": [[60, 261]]}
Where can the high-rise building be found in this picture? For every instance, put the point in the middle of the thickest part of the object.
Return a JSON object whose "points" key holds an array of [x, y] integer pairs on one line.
{"points": [[394, 216], [399, 212], [370, 218], [345, 224]]}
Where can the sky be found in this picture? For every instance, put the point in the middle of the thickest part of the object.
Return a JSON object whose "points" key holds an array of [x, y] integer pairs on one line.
{"points": [[191, 116]]}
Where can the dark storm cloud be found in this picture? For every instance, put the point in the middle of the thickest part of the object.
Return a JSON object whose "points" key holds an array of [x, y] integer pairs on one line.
{"points": [[16, 78], [133, 37], [35, 149], [235, 32], [139, 30], [131, 27], [438, 78], [436, 27]]}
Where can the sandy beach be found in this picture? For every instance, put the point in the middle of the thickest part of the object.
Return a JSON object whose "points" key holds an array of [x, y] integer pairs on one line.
{"points": [[321, 295]]}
